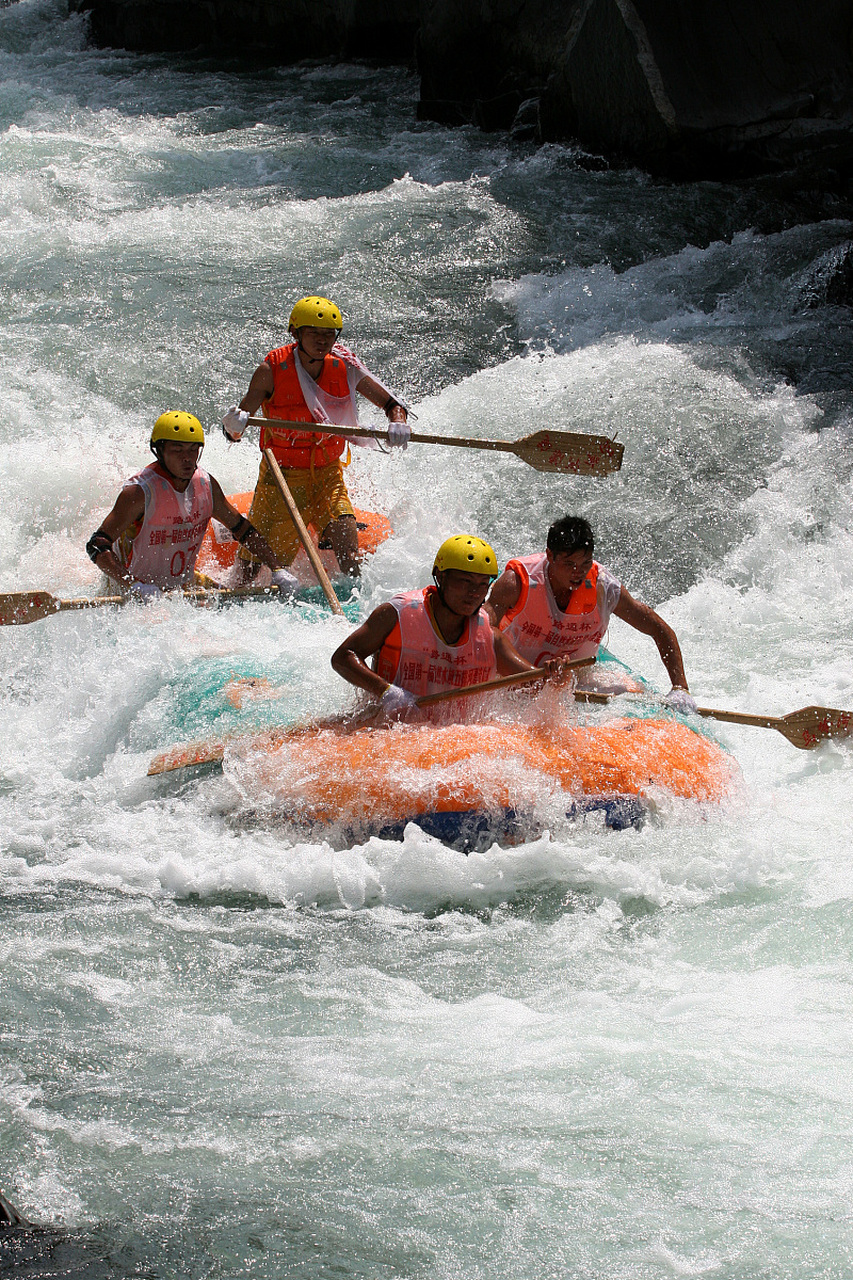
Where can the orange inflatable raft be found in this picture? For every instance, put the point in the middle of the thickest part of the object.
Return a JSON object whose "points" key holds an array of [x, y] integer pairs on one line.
{"points": [[475, 782], [218, 550]]}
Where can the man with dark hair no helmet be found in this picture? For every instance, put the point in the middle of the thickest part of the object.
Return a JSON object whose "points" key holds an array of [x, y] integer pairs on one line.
{"points": [[559, 603]]}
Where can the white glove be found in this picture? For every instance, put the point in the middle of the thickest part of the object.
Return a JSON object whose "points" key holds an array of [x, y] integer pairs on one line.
{"points": [[681, 700], [286, 582], [234, 423], [397, 702], [399, 434], [145, 591]]}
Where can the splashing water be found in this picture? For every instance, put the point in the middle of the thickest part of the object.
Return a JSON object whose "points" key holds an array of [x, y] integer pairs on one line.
{"points": [[228, 1051]]}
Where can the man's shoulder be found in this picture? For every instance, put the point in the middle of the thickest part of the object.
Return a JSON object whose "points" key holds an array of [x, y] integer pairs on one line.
{"points": [[381, 622], [349, 358], [411, 599], [278, 355], [517, 573], [386, 609], [609, 586], [141, 477], [524, 564], [606, 575]]}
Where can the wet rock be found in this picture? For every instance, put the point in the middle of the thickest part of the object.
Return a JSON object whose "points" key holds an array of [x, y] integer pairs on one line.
{"points": [[259, 29], [9, 1216], [686, 91], [830, 278], [526, 122], [839, 285], [31, 1252]]}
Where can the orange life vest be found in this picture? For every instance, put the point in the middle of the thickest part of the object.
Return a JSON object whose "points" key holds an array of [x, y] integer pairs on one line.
{"points": [[415, 657], [539, 629], [302, 449]]}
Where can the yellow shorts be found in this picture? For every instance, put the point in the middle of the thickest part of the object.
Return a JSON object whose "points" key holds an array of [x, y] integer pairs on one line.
{"points": [[321, 498]]}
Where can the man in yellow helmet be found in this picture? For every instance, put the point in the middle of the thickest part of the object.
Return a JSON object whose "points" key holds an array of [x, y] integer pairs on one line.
{"points": [[434, 638], [311, 379], [149, 541]]}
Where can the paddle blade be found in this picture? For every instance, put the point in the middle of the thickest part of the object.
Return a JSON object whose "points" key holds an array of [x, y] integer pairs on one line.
{"points": [[210, 752], [213, 751], [571, 453], [17, 607], [812, 725]]}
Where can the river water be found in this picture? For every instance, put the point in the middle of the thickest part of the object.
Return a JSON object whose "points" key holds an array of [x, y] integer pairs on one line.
{"points": [[229, 1052]]}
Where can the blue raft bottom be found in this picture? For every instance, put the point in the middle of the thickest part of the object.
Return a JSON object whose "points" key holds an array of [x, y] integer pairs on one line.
{"points": [[471, 830]]}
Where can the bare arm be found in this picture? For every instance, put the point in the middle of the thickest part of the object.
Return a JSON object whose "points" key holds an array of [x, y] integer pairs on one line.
{"points": [[129, 508], [232, 519], [507, 658], [503, 596], [260, 389], [642, 618], [350, 659], [371, 390]]}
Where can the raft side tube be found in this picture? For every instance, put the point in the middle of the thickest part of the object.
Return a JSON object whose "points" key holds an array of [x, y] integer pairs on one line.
{"points": [[219, 550]]}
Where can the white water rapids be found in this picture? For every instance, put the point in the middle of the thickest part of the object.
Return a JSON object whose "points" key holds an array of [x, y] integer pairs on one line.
{"points": [[228, 1053]]}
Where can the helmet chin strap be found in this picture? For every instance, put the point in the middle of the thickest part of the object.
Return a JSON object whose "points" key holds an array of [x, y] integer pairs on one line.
{"points": [[440, 594]]}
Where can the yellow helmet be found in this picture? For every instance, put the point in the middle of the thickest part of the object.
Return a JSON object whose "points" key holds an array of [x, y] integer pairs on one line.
{"points": [[465, 552], [177, 425], [318, 312]]}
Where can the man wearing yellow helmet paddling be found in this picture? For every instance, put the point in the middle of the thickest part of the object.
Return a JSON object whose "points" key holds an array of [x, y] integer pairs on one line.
{"points": [[435, 638], [311, 379], [149, 541]]}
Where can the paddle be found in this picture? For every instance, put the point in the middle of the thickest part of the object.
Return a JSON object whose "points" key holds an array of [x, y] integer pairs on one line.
{"points": [[212, 751], [304, 536], [568, 452], [805, 728], [18, 607], [499, 682]]}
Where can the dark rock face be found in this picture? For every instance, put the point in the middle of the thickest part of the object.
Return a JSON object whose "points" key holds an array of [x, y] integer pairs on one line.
{"points": [[31, 1252], [481, 59], [259, 29], [709, 88]]}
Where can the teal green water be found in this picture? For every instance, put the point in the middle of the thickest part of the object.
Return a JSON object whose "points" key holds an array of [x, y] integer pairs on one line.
{"points": [[230, 1051]]}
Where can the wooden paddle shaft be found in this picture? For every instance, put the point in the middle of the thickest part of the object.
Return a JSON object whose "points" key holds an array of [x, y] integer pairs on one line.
{"points": [[304, 536], [741, 717], [377, 433], [732, 717], [499, 682], [20, 607], [215, 594]]}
